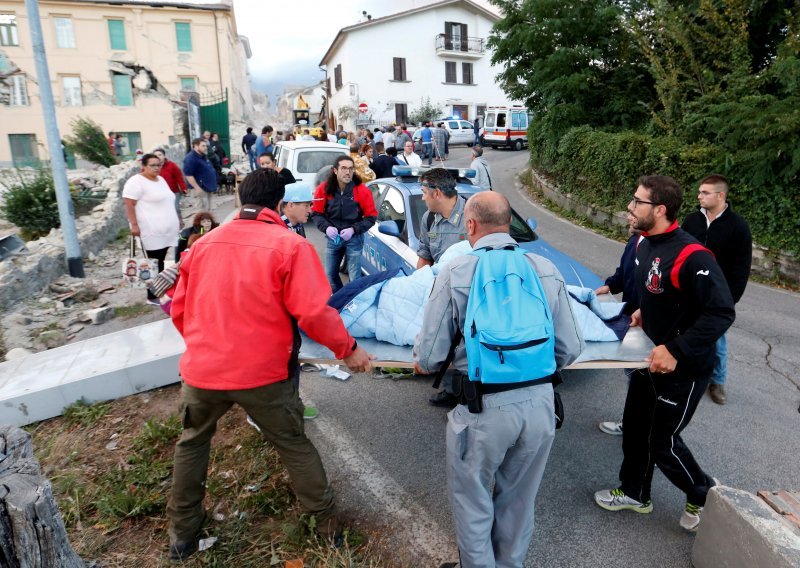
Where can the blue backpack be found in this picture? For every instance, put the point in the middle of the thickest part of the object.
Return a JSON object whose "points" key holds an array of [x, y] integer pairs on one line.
{"points": [[508, 328]]}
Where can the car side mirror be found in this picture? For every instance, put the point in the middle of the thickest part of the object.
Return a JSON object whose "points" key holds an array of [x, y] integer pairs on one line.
{"points": [[389, 228], [531, 223]]}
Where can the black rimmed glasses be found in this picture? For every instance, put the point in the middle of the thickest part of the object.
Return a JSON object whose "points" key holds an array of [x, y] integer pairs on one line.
{"points": [[636, 202]]}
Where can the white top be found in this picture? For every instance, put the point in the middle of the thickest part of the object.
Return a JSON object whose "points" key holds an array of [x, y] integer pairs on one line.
{"points": [[388, 139], [155, 211], [412, 160]]}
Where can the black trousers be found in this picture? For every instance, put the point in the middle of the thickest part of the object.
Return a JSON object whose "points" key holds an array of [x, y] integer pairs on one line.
{"points": [[656, 412]]}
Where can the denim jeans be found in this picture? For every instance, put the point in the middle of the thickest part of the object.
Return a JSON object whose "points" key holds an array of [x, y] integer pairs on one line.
{"points": [[333, 258], [251, 156], [720, 372], [427, 152]]}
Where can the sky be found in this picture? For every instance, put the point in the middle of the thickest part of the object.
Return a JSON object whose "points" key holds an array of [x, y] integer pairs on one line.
{"points": [[289, 37]]}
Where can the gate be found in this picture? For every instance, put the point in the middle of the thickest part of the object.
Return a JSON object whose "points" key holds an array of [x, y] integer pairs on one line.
{"points": [[214, 117]]}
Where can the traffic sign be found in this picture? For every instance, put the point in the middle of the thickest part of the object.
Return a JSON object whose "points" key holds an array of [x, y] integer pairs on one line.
{"points": [[363, 108]]}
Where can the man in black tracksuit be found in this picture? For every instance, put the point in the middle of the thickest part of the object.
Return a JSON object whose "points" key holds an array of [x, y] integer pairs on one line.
{"points": [[685, 306], [726, 235]]}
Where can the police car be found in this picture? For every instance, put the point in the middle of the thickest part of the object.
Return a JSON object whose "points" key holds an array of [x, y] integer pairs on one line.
{"points": [[393, 241]]}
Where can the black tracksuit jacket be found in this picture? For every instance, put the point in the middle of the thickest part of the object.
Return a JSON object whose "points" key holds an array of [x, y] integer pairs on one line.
{"points": [[728, 237], [686, 304]]}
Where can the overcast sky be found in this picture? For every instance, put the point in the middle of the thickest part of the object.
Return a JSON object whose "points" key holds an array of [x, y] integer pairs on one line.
{"points": [[289, 37]]}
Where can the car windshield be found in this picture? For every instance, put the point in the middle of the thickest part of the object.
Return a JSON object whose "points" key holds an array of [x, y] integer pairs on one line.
{"points": [[310, 162], [520, 231]]}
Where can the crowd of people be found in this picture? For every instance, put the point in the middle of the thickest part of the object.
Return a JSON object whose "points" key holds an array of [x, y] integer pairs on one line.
{"points": [[680, 285]]}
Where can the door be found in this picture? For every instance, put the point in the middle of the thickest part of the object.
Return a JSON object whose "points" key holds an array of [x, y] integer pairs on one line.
{"points": [[214, 117], [461, 111], [24, 153]]}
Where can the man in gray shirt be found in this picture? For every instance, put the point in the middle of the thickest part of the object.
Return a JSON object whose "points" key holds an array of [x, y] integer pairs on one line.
{"points": [[442, 226], [510, 440]]}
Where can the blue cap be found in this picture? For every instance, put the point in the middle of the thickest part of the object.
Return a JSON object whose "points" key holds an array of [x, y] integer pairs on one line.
{"points": [[298, 192]]}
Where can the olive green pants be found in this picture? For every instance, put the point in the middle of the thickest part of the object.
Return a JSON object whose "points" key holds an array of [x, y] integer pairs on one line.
{"points": [[278, 411]]}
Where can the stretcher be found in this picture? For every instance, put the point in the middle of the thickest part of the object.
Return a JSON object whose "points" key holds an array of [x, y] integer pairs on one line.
{"points": [[630, 353]]}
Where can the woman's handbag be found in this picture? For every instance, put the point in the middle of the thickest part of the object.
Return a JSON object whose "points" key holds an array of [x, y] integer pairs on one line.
{"points": [[137, 272], [165, 280]]}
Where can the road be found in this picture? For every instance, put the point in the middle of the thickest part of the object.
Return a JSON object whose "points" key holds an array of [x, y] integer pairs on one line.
{"points": [[383, 445]]}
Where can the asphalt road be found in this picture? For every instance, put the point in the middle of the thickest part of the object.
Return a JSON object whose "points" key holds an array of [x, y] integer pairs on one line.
{"points": [[383, 445]]}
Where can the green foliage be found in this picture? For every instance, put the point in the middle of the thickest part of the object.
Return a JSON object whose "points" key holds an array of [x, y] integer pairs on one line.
{"points": [[89, 142], [83, 414], [623, 88], [426, 111], [31, 204]]}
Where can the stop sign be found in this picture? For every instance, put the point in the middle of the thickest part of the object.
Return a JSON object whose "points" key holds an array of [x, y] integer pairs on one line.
{"points": [[363, 108]]}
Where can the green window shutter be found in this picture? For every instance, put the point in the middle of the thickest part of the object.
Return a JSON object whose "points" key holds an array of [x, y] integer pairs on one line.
{"points": [[116, 34], [123, 94], [183, 33], [188, 84]]}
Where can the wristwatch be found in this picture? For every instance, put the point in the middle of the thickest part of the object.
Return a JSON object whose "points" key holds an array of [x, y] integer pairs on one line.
{"points": [[355, 345]]}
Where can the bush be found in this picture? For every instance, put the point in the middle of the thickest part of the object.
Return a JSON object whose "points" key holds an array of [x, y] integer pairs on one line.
{"points": [[426, 111], [31, 205], [89, 142]]}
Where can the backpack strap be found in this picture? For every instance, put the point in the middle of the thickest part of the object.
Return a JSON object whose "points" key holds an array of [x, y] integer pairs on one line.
{"points": [[437, 380]]}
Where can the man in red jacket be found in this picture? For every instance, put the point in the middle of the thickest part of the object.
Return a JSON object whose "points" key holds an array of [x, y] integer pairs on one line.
{"points": [[173, 175], [244, 291]]}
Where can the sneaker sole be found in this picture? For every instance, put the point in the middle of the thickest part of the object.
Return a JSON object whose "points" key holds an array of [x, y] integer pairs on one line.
{"points": [[641, 510], [609, 432]]}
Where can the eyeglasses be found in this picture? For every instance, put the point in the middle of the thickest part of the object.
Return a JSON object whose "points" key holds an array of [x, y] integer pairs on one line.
{"points": [[707, 193], [425, 186], [636, 202], [347, 169]]}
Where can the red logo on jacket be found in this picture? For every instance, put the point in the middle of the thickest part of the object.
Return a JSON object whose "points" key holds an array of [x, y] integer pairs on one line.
{"points": [[653, 282]]}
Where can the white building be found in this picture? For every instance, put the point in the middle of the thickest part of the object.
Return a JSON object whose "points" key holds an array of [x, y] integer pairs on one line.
{"points": [[389, 65]]}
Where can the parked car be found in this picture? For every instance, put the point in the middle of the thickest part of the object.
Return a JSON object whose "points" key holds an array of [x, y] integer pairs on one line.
{"points": [[506, 127], [393, 241], [461, 131], [304, 158]]}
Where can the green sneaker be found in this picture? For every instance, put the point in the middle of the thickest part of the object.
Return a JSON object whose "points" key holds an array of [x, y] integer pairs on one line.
{"points": [[310, 412], [690, 519], [616, 500]]}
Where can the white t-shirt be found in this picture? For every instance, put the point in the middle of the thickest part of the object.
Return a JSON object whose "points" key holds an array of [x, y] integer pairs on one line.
{"points": [[155, 211], [411, 160]]}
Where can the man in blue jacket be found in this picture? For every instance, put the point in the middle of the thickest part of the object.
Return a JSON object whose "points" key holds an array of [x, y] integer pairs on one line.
{"points": [[199, 172]]}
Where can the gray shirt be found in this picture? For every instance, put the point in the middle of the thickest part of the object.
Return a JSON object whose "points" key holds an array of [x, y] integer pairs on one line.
{"points": [[447, 307], [444, 232], [483, 177]]}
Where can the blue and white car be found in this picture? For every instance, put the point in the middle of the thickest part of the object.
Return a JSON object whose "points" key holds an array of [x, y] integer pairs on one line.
{"points": [[393, 241]]}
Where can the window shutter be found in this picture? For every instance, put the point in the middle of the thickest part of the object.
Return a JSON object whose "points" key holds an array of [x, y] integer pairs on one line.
{"points": [[449, 71], [116, 35], [466, 73], [123, 94], [183, 35]]}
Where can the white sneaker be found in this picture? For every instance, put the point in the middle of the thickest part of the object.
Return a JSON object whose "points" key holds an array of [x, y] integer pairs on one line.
{"points": [[253, 423], [613, 428], [690, 519], [616, 500]]}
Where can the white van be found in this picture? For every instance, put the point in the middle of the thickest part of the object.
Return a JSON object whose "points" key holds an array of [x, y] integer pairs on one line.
{"points": [[506, 127], [304, 158]]}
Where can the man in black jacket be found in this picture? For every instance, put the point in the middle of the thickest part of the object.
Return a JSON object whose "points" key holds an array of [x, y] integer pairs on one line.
{"points": [[382, 164], [684, 307], [727, 235]]}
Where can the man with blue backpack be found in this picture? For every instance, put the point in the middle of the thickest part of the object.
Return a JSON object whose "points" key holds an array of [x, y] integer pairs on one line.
{"points": [[503, 318]]}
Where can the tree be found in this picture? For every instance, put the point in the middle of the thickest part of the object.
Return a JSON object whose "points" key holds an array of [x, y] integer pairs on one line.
{"points": [[89, 142], [573, 63], [426, 111], [346, 112], [31, 205]]}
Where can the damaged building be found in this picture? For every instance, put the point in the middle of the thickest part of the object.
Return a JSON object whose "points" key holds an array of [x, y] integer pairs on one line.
{"points": [[129, 65]]}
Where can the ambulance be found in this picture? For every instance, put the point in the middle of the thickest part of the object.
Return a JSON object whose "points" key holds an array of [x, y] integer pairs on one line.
{"points": [[506, 127]]}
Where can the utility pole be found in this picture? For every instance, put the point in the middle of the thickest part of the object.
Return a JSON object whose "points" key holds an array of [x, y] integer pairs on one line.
{"points": [[59, 168]]}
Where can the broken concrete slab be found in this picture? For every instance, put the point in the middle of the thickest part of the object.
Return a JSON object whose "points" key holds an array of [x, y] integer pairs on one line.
{"points": [[17, 353], [100, 315], [739, 530]]}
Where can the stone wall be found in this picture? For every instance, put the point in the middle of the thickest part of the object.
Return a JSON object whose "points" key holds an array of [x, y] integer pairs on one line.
{"points": [[24, 275], [766, 263]]}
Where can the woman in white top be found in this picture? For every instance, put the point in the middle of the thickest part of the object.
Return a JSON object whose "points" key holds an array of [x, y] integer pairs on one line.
{"points": [[150, 207], [408, 156]]}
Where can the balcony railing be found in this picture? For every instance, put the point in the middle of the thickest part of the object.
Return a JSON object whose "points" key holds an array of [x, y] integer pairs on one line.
{"points": [[466, 45]]}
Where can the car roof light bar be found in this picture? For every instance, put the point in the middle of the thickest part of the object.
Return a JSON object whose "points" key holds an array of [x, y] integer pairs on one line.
{"points": [[416, 171]]}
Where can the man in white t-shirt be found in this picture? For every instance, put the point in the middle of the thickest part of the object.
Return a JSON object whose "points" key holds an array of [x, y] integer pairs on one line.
{"points": [[409, 157]]}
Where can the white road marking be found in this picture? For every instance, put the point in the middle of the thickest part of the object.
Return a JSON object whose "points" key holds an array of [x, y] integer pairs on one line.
{"points": [[413, 526]]}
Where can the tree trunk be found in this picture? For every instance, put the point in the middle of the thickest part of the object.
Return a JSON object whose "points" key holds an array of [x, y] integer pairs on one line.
{"points": [[32, 533]]}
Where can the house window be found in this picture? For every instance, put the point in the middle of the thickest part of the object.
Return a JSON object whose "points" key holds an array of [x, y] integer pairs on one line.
{"points": [[72, 91], [123, 92], [337, 76], [131, 141], [188, 84], [455, 36], [116, 35], [449, 71], [5, 64], [19, 91], [399, 68], [65, 37], [8, 30], [466, 73], [183, 35], [401, 112], [23, 150]]}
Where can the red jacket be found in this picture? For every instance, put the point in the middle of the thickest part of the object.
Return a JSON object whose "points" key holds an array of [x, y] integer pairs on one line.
{"points": [[353, 207], [240, 288], [173, 175]]}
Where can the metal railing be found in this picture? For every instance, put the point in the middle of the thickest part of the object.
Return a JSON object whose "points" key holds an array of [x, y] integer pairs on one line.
{"points": [[460, 43]]}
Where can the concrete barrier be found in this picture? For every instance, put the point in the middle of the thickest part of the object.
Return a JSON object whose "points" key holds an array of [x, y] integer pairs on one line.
{"points": [[739, 530]]}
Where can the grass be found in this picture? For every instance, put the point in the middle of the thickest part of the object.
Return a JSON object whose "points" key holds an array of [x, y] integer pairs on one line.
{"points": [[132, 311], [110, 466], [52, 326]]}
